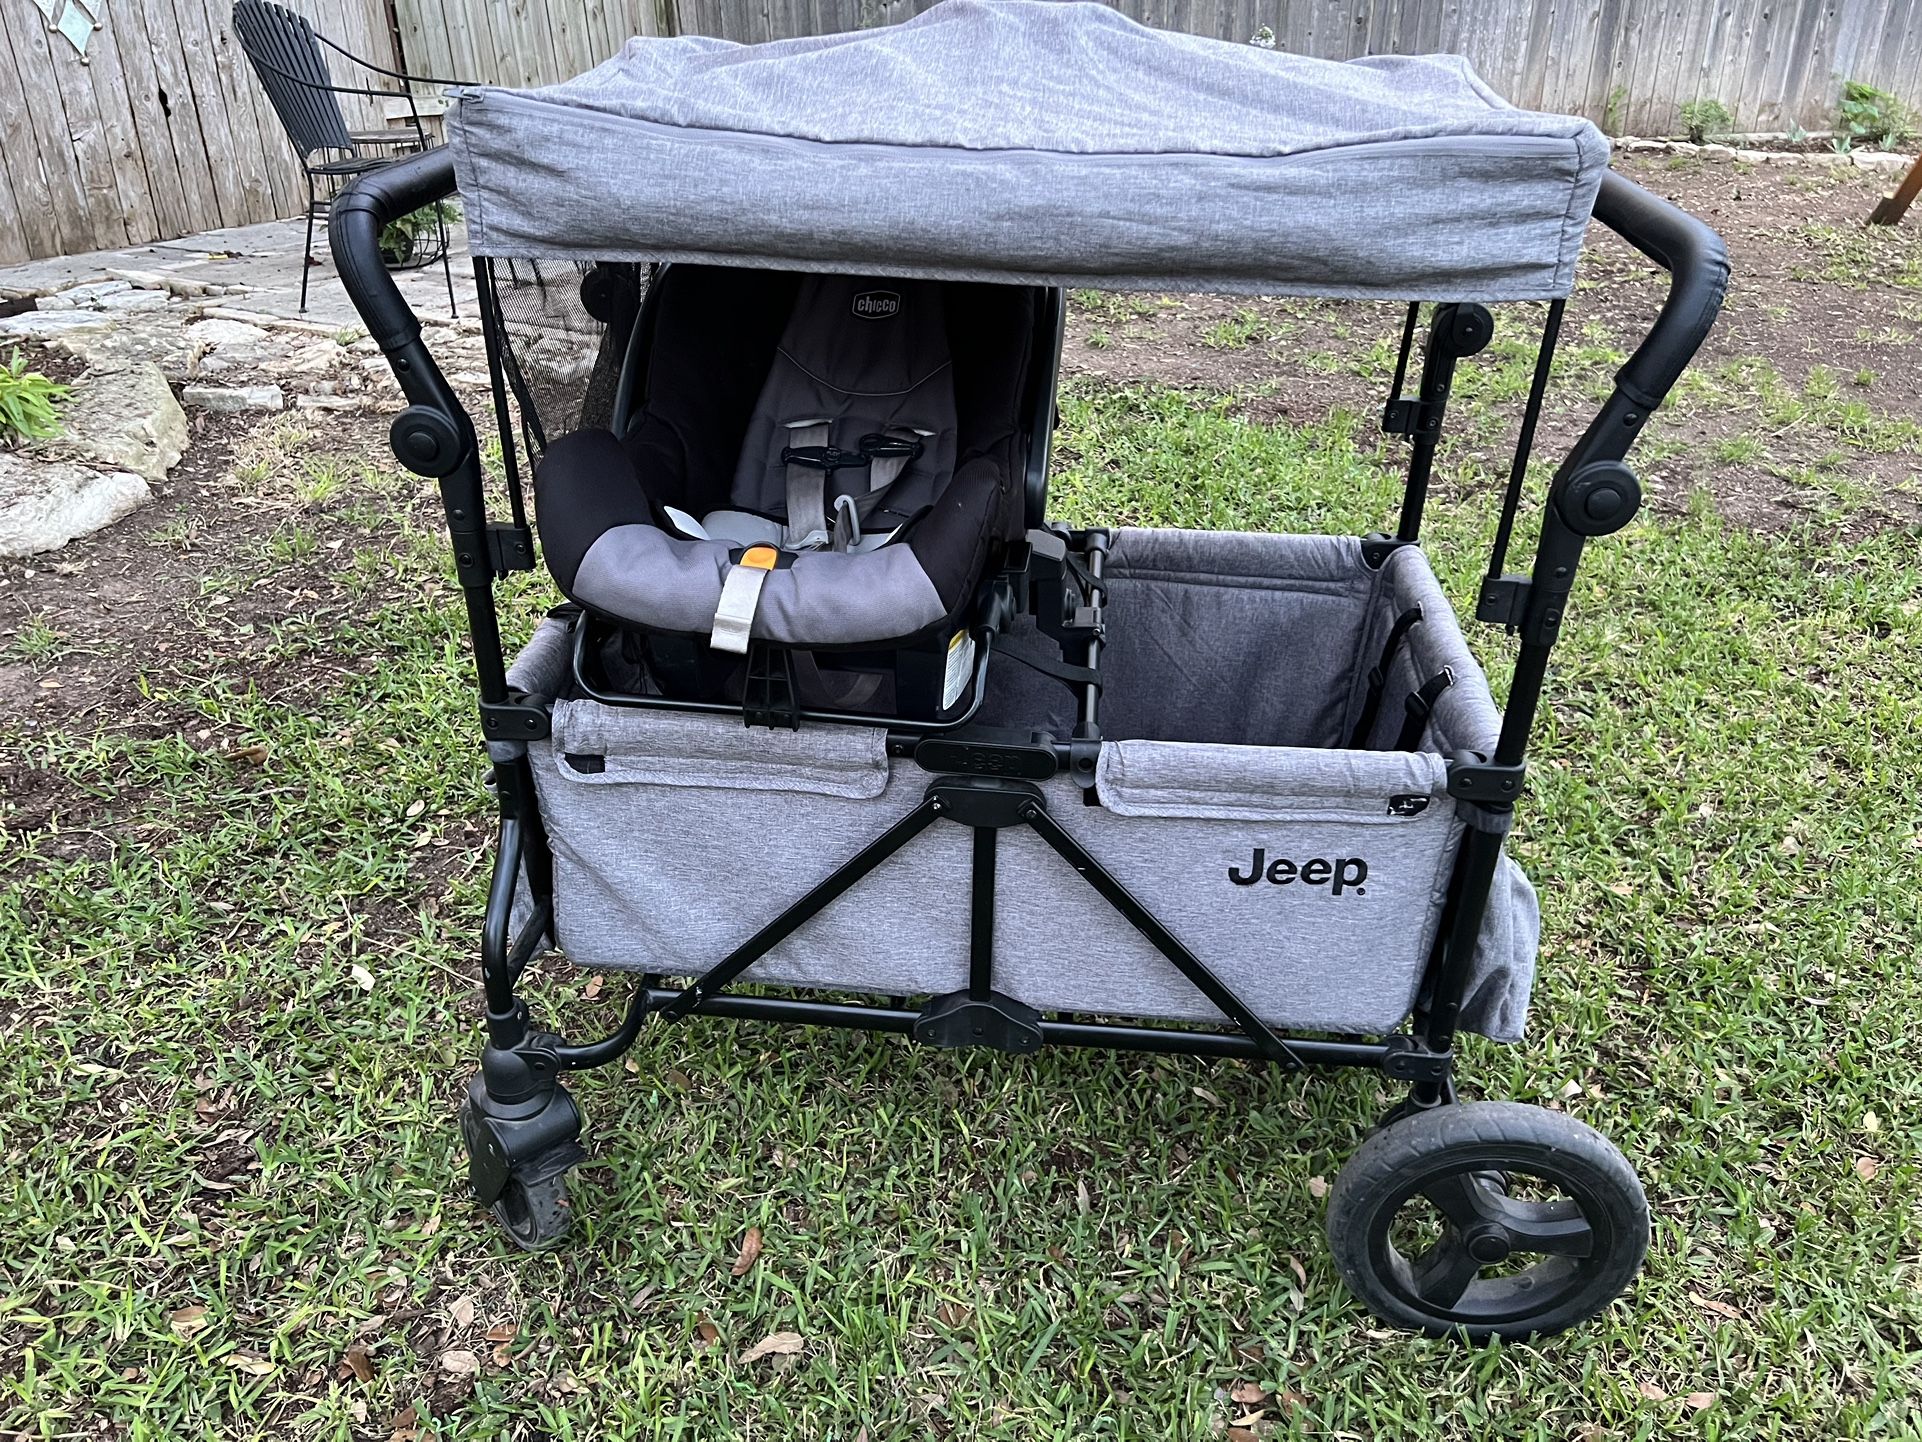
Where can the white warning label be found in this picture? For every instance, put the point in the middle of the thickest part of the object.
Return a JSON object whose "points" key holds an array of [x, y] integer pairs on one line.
{"points": [[960, 668]]}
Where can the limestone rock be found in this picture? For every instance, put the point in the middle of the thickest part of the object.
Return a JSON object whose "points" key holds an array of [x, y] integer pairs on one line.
{"points": [[174, 284], [230, 400], [125, 419], [81, 296], [119, 341], [216, 333], [46, 324], [127, 300], [226, 345], [44, 503]]}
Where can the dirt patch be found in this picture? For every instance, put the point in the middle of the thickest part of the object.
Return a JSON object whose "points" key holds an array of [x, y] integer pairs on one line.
{"points": [[92, 630], [1803, 394]]}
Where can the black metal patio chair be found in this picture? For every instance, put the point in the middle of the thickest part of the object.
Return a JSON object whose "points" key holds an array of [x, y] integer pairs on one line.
{"points": [[286, 55]]}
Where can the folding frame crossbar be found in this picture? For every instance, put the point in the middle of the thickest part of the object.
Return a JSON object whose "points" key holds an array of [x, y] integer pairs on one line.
{"points": [[986, 805]]}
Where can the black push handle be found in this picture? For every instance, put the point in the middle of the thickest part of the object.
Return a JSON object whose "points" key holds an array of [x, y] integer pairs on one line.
{"points": [[354, 224], [1697, 263]]}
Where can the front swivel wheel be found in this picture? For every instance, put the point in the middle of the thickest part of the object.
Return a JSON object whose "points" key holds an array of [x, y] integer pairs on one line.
{"points": [[518, 1156], [1491, 1219], [534, 1213]]}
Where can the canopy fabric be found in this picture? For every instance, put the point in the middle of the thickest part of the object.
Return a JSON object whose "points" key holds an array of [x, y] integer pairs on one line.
{"points": [[1038, 142]]}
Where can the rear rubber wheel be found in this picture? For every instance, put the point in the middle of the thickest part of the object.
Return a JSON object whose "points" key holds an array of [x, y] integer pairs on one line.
{"points": [[1490, 1219], [535, 1214]]}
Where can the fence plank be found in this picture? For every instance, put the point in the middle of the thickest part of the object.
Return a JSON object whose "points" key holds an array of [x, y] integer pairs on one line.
{"points": [[217, 138], [105, 96], [57, 166]]}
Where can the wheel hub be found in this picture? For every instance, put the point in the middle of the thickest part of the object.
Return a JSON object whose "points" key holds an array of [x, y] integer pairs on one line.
{"points": [[1488, 1245]]}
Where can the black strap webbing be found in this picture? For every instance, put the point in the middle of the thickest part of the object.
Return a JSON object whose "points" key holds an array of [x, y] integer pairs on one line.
{"points": [[1378, 678], [1421, 704], [1049, 666]]}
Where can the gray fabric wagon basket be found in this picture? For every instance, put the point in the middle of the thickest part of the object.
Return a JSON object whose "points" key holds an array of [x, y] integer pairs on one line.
{"points": [[1309, 876]]}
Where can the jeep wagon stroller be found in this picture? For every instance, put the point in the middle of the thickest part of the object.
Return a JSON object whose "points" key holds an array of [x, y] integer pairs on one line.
{"points": [[776, 330]]}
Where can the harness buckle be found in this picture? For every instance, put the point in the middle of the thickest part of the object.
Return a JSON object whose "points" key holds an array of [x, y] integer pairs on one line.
{"points": [[822, 458], [875, 445]]}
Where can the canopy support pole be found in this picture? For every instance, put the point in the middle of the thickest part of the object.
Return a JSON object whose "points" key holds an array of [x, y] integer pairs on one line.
{"points": [[1455, 331]]}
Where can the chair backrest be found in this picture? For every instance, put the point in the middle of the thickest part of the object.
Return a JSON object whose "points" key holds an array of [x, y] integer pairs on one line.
{"points": [[288, 60]]}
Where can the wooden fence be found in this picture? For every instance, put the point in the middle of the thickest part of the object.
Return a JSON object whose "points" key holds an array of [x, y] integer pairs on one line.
{"points": [[521, 42], [1628, 65], [122, 121]]}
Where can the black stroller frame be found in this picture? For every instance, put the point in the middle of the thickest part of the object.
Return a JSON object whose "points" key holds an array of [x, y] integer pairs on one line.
{"points": [[521, 1126]]}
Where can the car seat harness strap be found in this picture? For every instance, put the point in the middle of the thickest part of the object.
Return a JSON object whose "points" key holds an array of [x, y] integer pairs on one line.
{"points": [[810, 460], [741, 598]]}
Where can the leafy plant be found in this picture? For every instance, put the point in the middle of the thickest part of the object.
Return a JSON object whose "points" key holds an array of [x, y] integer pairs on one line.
{"points": [[27, 402], [1612, 111], [1872, 117], [400, 238], [1703, 118]]}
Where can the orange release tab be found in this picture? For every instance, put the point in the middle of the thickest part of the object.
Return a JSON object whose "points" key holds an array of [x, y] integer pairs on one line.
{"points": [[762, 558]]}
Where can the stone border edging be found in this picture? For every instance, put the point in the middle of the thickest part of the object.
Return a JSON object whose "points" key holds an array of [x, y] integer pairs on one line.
{"points": [[1887, 162]]}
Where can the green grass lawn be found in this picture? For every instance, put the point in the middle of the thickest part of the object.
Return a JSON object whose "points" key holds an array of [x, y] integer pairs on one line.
{"points": [[240, 1006]]}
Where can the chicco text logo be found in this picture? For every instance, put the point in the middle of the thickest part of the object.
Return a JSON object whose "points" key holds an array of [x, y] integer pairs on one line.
{"points": [[1344, 873], [877, 304]]}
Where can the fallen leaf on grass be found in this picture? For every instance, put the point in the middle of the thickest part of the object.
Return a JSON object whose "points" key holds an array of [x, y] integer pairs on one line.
{"points": [[1699, 1401], [460, 1311], [1248, 1419], [1866, 1168], [187, 1321], [1651, 1391], [1719, 1308], [357, 1364], [1317, 1187], [750, 1250], [706, 1333], [1249, 1394], [953, 1314], [505, 1332], [460, 1363], [251, 1363], [780, 1344], [1241, 1434], [1301, 1272], [362, 977]]}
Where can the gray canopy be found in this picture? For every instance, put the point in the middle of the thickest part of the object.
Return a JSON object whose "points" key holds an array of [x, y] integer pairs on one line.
{"points": [[1040, 142]]}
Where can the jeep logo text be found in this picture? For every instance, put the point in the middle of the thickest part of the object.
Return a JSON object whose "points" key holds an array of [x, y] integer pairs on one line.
{"points": [[1344, 873], [877, 304]]}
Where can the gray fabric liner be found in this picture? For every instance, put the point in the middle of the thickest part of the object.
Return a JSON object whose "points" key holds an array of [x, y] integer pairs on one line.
{"points": [[698, 831], [982, 141]]}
